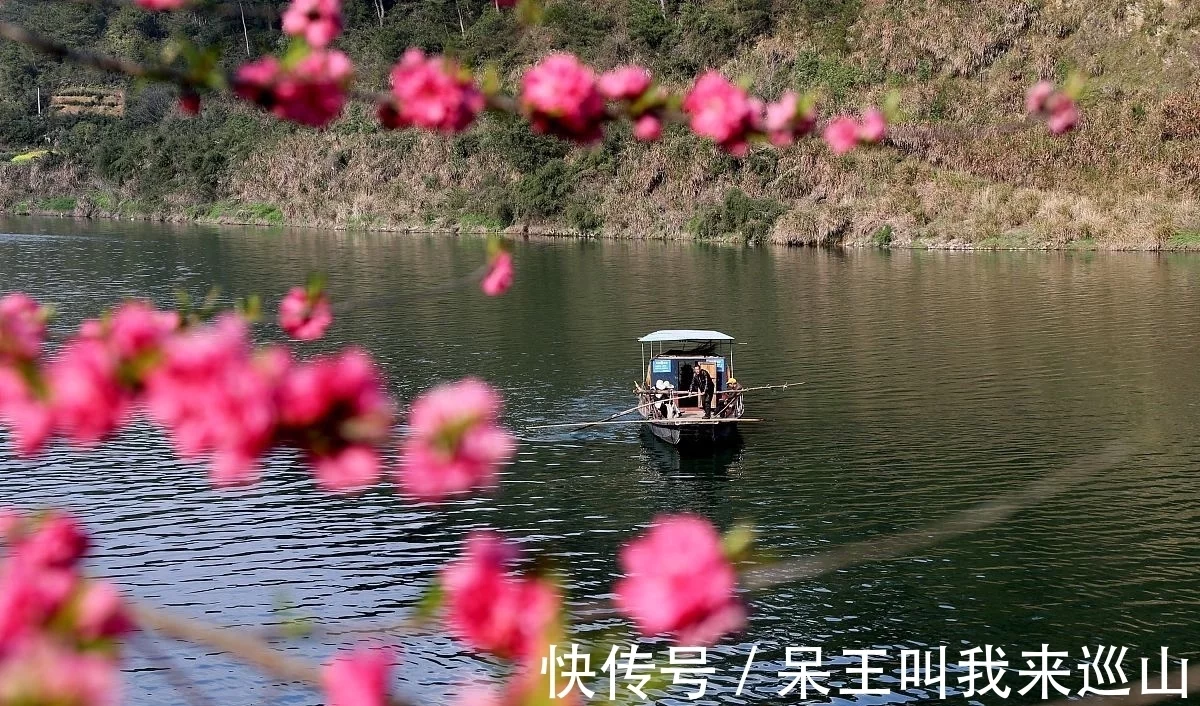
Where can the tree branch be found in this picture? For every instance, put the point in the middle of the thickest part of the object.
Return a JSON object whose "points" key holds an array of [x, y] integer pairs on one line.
{"points": [[245, 647]]}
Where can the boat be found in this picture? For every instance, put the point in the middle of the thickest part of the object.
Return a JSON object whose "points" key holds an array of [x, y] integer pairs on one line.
{"points": [[671, 411]]}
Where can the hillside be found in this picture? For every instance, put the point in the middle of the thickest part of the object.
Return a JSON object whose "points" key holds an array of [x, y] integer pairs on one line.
{"points": [[961, 169]]}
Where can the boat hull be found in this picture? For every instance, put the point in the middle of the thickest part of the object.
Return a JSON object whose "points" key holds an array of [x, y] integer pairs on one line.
{"points": [[695, 435]]}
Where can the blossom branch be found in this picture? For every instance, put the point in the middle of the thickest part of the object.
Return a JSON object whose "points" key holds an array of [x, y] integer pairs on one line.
{"points": [[103, 62], [245, 647], [972, 520], [173, 672]]}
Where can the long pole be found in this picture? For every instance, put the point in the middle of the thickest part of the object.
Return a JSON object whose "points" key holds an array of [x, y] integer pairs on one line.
{"points": [[606, 420], [667, 422]]}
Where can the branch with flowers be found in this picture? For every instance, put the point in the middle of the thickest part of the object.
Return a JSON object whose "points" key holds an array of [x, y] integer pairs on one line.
{"points": [[311, 83], [229, 402]]}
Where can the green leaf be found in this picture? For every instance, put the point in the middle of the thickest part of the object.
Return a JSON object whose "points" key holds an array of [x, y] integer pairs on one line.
{"points": [[489, 80], [296, 52], [250, 308], [530, 12], [737, 542], [891, 106], [315, 284], [430, 602], [1075, 86]]}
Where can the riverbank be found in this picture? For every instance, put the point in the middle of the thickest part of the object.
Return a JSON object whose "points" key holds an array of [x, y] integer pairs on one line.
{"points": [[960, 168], [268, 216]]}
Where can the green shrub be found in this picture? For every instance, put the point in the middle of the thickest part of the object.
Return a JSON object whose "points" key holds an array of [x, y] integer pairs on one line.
{"points": [[58, 203], [647, 26], [738, 214], [545, 192]]}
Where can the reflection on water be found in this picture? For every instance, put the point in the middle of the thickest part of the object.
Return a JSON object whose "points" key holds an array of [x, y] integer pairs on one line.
{"points": [[932, 381]]}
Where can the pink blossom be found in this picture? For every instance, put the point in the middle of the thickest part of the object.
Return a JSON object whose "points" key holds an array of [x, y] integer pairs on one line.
{"points": [[352, 468], [318, 21], [647, 128], [87, 397], [217, 397], [625, 83], [41, 671], [22, 328], [359, 678], [432, 93], [873, 127], [560, 97], [842, 135], [303, 315], [1059, 109], [25, 411], [787, 120], [162, 4], [1063, 114], [334, 408], [1035, 99], [312, 93], [499, 276], [454, 443], [493, 609], [100, 614], [679, 581], [720, 111], [136, 328], [30, 594], [57, 543]]}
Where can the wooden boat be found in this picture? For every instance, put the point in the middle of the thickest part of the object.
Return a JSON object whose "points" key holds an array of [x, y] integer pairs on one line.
{"points": [[674, 413]]}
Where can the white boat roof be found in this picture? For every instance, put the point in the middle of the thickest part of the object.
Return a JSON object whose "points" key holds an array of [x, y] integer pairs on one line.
{"points": [[684, 334]]}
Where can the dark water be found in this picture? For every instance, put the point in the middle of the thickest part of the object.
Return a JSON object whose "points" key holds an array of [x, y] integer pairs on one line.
{"points": [[933, 382]]}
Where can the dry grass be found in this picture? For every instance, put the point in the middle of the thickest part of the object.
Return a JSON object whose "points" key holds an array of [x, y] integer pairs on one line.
{"points": [[964, 168]]}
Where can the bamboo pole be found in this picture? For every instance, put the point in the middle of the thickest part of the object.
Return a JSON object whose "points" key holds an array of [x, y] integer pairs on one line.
{"points": [[679, 421], [676, 398]]}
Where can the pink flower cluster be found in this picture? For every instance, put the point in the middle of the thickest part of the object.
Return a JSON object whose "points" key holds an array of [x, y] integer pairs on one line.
{"points": [[88, 390], [679, 581], [432, 93], [560, 97], [722, 112], [305, 314], [162, 4], [494, 609], [22, 328], [318, 21], [499, 276], [222, 399], [216, 395], [335, 410], [632, 85], [1057, 108], [312, 92], [58, 631], [454, 442], [728, 115], [358, 677], [843, 134]]}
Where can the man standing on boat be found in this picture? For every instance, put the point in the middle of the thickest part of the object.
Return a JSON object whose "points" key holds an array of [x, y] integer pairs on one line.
{"points": [[702, 384]]}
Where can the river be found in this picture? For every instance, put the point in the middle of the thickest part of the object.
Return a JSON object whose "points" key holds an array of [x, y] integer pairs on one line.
{"points": [[933, 381]]}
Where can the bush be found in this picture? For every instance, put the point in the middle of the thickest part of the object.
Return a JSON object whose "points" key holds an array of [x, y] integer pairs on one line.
{"points": [[738, 214], [545, 192]]}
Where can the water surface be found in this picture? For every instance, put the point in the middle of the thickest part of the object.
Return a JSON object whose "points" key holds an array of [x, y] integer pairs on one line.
{"points": [[933, 381]]}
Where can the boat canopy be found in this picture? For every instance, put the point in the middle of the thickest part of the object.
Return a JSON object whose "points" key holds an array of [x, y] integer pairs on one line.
{"points": [[684, 335]]}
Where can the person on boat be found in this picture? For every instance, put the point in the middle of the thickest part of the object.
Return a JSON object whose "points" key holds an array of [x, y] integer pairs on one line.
{"points": [[702, 384]]}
